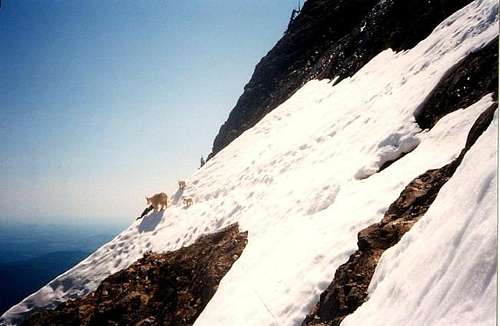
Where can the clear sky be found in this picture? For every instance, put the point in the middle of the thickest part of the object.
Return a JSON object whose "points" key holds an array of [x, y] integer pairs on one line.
{"points": [[102, 102]]}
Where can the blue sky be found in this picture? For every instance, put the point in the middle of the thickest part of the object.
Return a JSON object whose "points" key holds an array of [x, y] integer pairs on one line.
{"points": [[103, 102]]}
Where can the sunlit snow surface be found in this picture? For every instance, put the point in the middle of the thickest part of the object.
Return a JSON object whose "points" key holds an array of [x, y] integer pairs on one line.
{"points": [[444, 271], [304, 181]]}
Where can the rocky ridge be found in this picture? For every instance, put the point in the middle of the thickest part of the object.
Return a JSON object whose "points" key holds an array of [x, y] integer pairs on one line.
{"points": [[329, 39], [160, 289]]}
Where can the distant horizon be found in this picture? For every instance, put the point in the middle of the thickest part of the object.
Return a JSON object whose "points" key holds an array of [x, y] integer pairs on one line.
{"points": [[105, 102], [114, 221], [33, 254]]}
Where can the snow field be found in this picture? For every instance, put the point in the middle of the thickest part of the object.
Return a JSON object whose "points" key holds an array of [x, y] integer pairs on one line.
{"points": [[444, 270]]}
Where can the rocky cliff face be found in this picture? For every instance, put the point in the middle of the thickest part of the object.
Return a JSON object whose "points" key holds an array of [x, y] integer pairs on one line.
{"points": [[328, 39]]}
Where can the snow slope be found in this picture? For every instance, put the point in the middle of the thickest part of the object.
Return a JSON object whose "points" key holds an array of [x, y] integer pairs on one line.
{"points": [[304, 181], [457, 278]]}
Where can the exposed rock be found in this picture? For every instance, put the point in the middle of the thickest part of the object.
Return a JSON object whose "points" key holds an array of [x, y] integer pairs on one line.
{"points": [[159, 289], [348, 289], [479, 126], [472, 78], [330, 38]]}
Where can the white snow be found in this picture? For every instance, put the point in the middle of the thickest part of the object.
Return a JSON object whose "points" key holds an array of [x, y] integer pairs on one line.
{"points": [[304, 181], [447, 263]]}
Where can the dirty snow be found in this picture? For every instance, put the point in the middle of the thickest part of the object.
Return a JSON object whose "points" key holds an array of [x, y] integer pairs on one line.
{"points": [[304, 181]]}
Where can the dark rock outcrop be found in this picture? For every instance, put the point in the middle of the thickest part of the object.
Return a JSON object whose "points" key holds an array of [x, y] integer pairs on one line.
{"points": [[330, 38], [159, 289], [472, 78], [348, 289]]}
